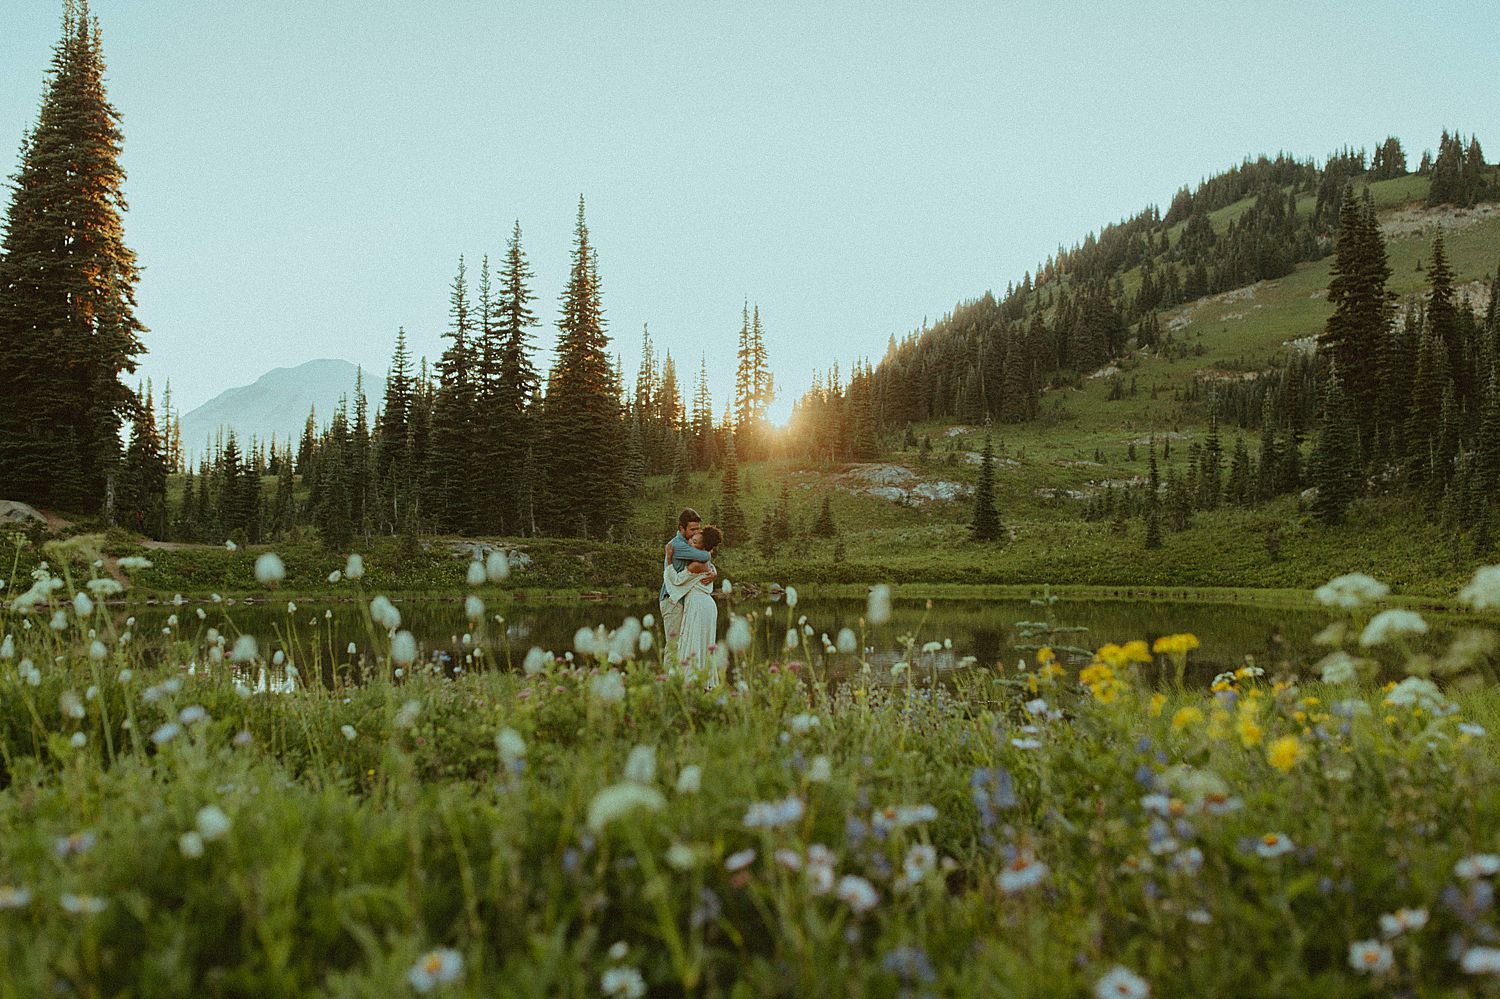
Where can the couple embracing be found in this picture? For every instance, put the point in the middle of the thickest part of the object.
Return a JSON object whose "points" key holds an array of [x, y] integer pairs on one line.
{"points": [[688, 611]]}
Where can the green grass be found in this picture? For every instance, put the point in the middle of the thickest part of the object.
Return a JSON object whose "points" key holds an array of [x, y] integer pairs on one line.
{"points": [[166, 832]]}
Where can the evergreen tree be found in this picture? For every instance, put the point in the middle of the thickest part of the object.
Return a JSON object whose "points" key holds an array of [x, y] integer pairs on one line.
{"points": [[1211, 468], [986, 523], [518, 395], [1240, 488], [581, 432], [451, 469], [393, 465], [781, 520], [142, 495], [68, 329], [732, 519], [1336, 468], [1153, 499], [824, 526]]}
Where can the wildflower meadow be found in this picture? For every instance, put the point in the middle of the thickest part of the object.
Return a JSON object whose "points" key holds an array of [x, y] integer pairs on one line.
{"points": [[192, 813]]}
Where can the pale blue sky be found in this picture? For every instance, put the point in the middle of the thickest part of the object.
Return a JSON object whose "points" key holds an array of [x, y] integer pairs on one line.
{"points": [[303, 175]]}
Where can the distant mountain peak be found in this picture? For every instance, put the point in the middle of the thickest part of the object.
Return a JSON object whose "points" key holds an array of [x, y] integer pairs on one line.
{"points": [[277, 403]]}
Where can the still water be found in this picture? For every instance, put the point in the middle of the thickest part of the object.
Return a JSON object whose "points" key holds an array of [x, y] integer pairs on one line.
{"points": [[986, 630]]}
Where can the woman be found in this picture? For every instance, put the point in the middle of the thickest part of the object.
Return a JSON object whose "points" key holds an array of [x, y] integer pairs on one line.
{"points": [[700, 614]]}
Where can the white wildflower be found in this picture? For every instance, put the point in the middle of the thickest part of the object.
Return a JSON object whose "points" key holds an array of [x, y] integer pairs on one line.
{"points": [[739, 861], [1274, 845], [1478, 865], [403, 649], [245, 649], [1370, 957], [791, 596], [229, 545], [166, 733], [510, 745], [848, 641], [820, 770], [878, 606], [349, 732], [792, 639], [1121, 983], [1021, 874], [98, 651], [434, 968], [1481, 961], [1483, 591], [804, 723], [618, 800], [406, 715], [104, 588], [385, 613], [1393, 924], [335, 576], [857, 893], [497, 566], [640, 766], [740, 636], [83, 605], [354, 566], [190, 844], [269, 569], [1389, 624], [82, 905], [622, 983], [681, 857], [608, 687], [536, 661], [1338, 667], [690, 779], [1354, 589], [134, 563], [476, 573], [473, 608], [212, 823], [772, 814]]}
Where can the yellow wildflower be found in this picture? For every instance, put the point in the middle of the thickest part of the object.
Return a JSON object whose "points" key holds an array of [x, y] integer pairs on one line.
{"points": [[1186, 717], [1111, 655], [1218, 724], [1158, 701], [1045, 655], [1136, 652], [1175, 644], [1249, 731], [1283, 753]]}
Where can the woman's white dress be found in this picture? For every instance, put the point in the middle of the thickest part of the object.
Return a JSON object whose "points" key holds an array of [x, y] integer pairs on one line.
{"points": [[700, 622]]}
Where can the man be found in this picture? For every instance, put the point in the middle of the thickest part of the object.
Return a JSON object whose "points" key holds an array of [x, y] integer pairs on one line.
{"points": [[680, 552]]}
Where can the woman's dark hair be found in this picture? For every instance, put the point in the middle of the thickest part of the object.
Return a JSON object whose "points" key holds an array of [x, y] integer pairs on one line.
{"points": [[712, 538]]}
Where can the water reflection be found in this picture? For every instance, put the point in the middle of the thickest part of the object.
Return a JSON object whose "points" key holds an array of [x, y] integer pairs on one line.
{"points": [[970, 632]]}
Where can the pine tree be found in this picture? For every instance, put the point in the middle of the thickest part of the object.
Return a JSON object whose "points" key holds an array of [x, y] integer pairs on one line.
{"points": [[781, 519], [824, 526], [732, 519], [1153, 499], [1211, 468], [986, 523], [1335, 456], [450, 474], [68, 329], [581, 431], [1240, 488], [393, 467], [142, 494], [519, 393]]}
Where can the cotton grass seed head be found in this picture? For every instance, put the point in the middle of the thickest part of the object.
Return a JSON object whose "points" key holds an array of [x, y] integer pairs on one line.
{"points": [[739, 637], [878, 606], [269, 569], [245, 649], [354, 566], [385, 613], [476, 573], [404, 648], [473, 608], [497, 567]]}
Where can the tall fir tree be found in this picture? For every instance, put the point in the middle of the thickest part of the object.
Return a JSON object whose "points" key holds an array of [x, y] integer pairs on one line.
{"points": [[1335, 464], [986, 523], [581, 427], [519, 393], [451, 474], [68, 329]]}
